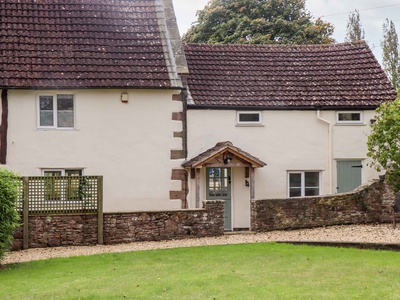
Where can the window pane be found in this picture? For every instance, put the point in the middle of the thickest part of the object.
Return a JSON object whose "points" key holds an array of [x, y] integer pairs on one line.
{"points": [[311, 191], [294, 180], [65, 111], [46, 111], [295, 192], [350, 117], [250, 117], [52, 173], [73, 172], [311, 179]]}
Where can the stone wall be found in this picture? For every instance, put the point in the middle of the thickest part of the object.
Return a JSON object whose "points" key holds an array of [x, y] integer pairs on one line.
{"points": [[75, 230], [364, 205], [153, 226], [59, 230]]}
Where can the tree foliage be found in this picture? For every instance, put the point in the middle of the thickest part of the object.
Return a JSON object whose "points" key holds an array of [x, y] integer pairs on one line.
{"points": [[384, 142], [390, 56], [258, 22], [9, 218], [354, 27]]}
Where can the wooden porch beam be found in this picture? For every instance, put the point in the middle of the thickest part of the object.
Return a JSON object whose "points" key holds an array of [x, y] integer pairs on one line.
{"points": [[197, 188], [4, 126], [252, 184]]}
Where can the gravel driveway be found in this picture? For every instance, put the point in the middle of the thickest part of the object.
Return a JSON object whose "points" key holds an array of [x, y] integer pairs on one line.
{"points": [[375, 234]]}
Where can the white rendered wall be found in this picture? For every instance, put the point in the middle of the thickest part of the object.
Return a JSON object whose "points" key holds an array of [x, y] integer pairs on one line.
{"points": [[128, 143], [287, 141]]}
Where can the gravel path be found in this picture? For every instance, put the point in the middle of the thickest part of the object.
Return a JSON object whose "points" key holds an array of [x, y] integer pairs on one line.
{"points": [[382, 234]]}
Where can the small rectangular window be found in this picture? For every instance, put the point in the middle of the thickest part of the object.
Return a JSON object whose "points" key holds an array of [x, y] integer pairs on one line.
{"points": [[303, 183], [349, 117], [56, 111], [62, 184], [249, 118]]}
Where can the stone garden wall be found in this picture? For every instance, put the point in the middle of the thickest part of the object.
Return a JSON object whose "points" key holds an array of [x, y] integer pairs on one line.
{"points": [[368, 204], [76, 230]]}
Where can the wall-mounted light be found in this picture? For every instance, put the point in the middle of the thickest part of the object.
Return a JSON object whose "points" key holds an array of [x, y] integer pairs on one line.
{"points": [[227, 158], [247, 183], [124, 97]]}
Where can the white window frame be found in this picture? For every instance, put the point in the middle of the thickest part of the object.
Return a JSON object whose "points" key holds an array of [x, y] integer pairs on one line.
{"points": [[246, 112], [361, 121], [55, 115], [61, 170], [302, 185]]}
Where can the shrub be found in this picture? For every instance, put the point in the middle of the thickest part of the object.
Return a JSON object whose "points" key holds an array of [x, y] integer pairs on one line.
{"points": [[9, 217]]}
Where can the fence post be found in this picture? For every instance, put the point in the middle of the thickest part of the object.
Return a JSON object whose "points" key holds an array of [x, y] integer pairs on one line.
{"points": [[100, 210], [25, 213]]}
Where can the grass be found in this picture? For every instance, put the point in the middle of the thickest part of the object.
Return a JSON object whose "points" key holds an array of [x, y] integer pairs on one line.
{"points": [[248, 271]]}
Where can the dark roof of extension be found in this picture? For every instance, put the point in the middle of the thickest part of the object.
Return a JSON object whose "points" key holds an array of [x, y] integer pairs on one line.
{"points": [[330, 76], [87, 44]]}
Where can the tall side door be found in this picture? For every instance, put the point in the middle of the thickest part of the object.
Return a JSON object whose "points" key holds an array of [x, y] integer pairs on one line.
{"points": [[348, 175], [219, 188]]}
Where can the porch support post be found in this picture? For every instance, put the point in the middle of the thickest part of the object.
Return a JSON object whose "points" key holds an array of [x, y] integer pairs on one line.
{"points": [[197, 188], [252, 184], [25, 212]]}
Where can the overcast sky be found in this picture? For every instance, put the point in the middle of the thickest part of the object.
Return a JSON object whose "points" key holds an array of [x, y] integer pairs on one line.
{"points": [[372, 13]]}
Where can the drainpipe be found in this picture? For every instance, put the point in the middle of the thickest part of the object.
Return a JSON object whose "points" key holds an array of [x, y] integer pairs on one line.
{"points": [[330, 162]]}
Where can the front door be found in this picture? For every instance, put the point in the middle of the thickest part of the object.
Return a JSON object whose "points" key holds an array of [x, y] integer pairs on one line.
{"points": [[348, 175], [219, 188]]}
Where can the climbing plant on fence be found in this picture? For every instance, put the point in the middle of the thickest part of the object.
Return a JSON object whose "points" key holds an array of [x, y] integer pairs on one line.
{"points": [[9, 217]]}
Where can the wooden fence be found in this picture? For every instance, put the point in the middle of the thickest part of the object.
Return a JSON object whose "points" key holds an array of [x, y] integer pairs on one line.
{"points": [[61, 195]]}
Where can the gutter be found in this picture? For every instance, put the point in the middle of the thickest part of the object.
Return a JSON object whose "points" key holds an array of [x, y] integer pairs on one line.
{"points": [[330, 143]]}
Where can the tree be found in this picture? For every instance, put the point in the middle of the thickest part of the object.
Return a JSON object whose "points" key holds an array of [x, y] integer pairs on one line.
{"points": [[390, 56], [354, 27], [9, 218], [384, 142], [258, 22]]}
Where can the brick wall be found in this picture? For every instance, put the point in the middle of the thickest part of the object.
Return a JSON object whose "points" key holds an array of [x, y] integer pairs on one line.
{"points": [[364, 205], [75, 230]]}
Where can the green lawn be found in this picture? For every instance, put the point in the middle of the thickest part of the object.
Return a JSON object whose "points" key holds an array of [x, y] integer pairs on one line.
{"points": [[248, 271]]}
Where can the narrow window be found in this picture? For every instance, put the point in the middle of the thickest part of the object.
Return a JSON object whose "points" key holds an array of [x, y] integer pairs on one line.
{"points": [[304, 184], [349, 117], [249, 118]]}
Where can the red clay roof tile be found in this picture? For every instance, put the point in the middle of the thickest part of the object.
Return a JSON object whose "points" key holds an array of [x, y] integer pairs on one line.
{"points": [[81, 44], [282, 76]]}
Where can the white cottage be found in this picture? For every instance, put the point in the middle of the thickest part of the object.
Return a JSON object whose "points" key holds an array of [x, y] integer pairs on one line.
{"points": [[94, 88], [301, 113]]}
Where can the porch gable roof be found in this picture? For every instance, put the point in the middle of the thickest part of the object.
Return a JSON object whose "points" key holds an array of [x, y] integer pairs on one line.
{"points": [[222, 148]]}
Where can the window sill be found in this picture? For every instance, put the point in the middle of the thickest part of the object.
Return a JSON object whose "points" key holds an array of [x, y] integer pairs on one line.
{"points": [[249, 125], [56, 129], [350, 124]]}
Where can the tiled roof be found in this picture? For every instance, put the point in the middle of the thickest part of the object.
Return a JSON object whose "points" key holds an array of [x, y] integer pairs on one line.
{"points": [[84, 44], [219, 149], [286, 77]]}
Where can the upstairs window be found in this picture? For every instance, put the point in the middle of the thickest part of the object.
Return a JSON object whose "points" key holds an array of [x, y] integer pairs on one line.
{"points": [[56, 111], [249, 118], [349, 117]]}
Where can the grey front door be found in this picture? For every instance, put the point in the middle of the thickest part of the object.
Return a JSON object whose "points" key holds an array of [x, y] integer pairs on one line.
{"points": [[219, 188], [348, 175]]}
